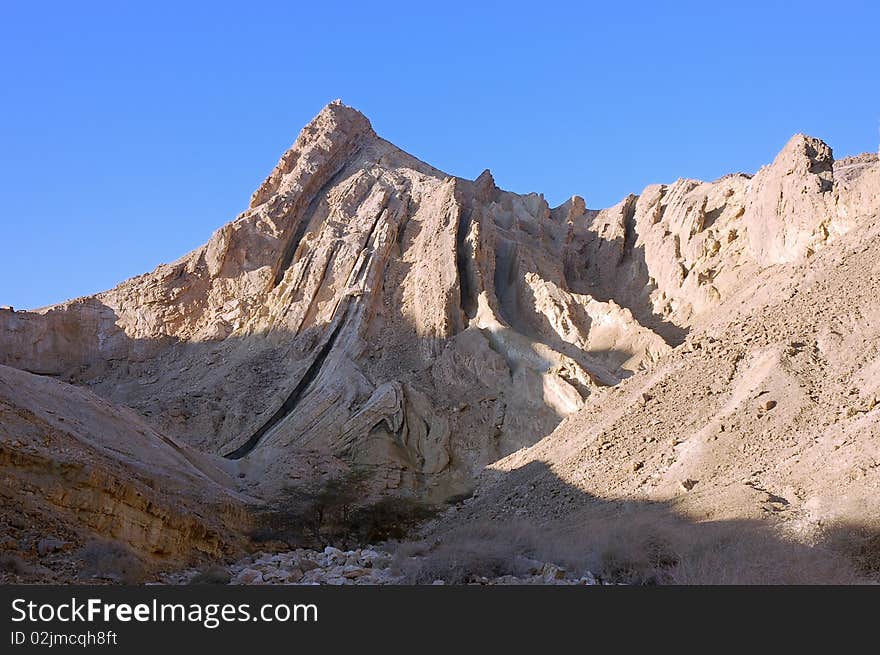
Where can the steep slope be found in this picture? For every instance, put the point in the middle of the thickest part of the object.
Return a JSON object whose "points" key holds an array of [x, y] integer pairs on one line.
{"points": [[769, 411], [368, 309], [365, 307], [74, 467]]}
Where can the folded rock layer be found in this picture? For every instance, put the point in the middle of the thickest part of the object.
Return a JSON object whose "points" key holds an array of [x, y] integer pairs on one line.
{"points": [[369, 310]]}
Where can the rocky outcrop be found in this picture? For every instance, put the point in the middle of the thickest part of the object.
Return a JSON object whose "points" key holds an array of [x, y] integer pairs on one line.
{"points": [[367, 309], [766, 418], [790, 206], [71, 459]]}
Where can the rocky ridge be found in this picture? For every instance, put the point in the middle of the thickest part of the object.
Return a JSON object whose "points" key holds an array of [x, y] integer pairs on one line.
{"points": [[367, 310]]}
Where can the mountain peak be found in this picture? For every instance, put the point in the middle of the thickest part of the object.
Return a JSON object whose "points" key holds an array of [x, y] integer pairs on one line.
{"points": [[341, 112], [334, 132]]}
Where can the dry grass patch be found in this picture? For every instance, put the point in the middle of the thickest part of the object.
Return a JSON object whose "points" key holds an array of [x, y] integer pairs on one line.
{"points": [[643, 548]]}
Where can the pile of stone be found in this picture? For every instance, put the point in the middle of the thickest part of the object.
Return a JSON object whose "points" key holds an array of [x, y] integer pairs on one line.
{"points": [[331, 566], [362, 566]]}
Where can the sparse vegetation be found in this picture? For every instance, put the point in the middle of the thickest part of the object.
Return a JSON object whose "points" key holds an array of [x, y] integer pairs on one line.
{"points": [[329, 512], [654, 548], [486, 550], [212, 575], [111, 560], [13, 565], [860, 544], [388, 518]]}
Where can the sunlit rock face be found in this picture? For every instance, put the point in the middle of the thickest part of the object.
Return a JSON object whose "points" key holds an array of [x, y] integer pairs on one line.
{"points": [[369, 310]]}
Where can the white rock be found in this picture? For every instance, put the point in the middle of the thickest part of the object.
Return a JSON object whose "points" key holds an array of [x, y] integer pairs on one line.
{"points": [[248, 577], [588, 579], [551, 573], [352, 572]]}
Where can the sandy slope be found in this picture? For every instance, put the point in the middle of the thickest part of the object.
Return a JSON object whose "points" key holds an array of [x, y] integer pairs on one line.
{"points": [[768, 412], [74, 467]]}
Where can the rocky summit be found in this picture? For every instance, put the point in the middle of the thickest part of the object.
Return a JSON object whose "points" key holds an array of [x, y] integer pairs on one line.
{"points": [[705, 350]]}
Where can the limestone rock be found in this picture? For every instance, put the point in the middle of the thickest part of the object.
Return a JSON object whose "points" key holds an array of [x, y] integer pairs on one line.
{"points": [[790, 208], [368, 310], [248, 576], [336, 317], [91, 468]]}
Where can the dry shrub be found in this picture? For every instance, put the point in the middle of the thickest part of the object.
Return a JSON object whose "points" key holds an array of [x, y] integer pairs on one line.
{"points": [[388, 518], [746, 553], [111, 560], [650, 545], [860, 543], [331, 512], [13, 565], [278, 530], [212, 575], [644, 547], [311, 515], [480, 550]]}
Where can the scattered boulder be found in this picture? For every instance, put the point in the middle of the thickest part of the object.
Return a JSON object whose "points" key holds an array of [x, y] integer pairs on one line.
{"points": [[308, 565], [354, 572], [687, 484], [377, 568], [248, 576], [551, 572]]}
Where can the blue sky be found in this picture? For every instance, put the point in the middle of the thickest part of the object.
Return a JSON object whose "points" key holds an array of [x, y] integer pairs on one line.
{"points": [[130, 131]]}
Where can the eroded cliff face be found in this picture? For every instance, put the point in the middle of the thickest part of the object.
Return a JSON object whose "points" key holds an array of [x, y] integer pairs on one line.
{"points": [[369, 309], [767, 416], [73, 466]]}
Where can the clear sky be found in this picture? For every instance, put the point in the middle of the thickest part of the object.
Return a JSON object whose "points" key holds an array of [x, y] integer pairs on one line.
{"points": [[130, 131]]}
